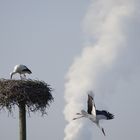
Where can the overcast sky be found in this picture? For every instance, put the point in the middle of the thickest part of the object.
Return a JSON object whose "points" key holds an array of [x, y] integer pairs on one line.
{"points": [[44, 35], [47, 36]]}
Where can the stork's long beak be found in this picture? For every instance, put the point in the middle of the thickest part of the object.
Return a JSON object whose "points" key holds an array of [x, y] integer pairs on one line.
{"points": [[78, 114], [74, 118], [78, 117]]}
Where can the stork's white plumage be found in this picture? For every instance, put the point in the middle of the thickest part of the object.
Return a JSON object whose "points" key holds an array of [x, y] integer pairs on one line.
{"points": [[21, 69], [93, 114]]}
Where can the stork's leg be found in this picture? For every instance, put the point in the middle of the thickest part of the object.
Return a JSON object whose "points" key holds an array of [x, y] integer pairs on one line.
{"points": [[102, 129], [24, 76], [21, 77]]}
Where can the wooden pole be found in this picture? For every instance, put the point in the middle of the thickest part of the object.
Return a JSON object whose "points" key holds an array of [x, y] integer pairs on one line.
{"points": [[22, 121]]}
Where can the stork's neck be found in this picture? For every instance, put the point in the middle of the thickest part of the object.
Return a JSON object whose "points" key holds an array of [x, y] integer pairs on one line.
{"points": [[11, 74]]}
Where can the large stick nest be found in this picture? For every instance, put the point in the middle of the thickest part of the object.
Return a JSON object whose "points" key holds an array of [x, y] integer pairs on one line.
{"points": [[36, 95]]}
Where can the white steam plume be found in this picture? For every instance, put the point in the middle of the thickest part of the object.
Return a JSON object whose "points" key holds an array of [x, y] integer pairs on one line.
{"points": [[104, 62]]}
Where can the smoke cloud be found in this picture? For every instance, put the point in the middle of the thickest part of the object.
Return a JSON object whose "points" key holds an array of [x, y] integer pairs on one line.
{"points": [[107, 60]]}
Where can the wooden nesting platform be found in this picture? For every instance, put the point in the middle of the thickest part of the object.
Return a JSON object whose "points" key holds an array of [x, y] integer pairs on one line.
{"points": [[35, 94]]}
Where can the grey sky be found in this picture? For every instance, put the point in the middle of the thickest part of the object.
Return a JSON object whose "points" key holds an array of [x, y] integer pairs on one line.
{"points": [[109, 64], [46, 36]]}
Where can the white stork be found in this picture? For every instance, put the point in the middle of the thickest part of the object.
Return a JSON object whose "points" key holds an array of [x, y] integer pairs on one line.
{"points": [[93, 114], [21, 69]]}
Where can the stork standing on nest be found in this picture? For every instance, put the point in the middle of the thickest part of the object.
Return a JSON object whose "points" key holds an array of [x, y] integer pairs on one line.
{"points": [[93, 114], [20, 69]]}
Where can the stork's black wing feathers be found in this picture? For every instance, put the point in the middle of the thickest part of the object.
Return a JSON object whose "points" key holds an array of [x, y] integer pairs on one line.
{"points": [[90, 104], [27, 70], [107, 114]]}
